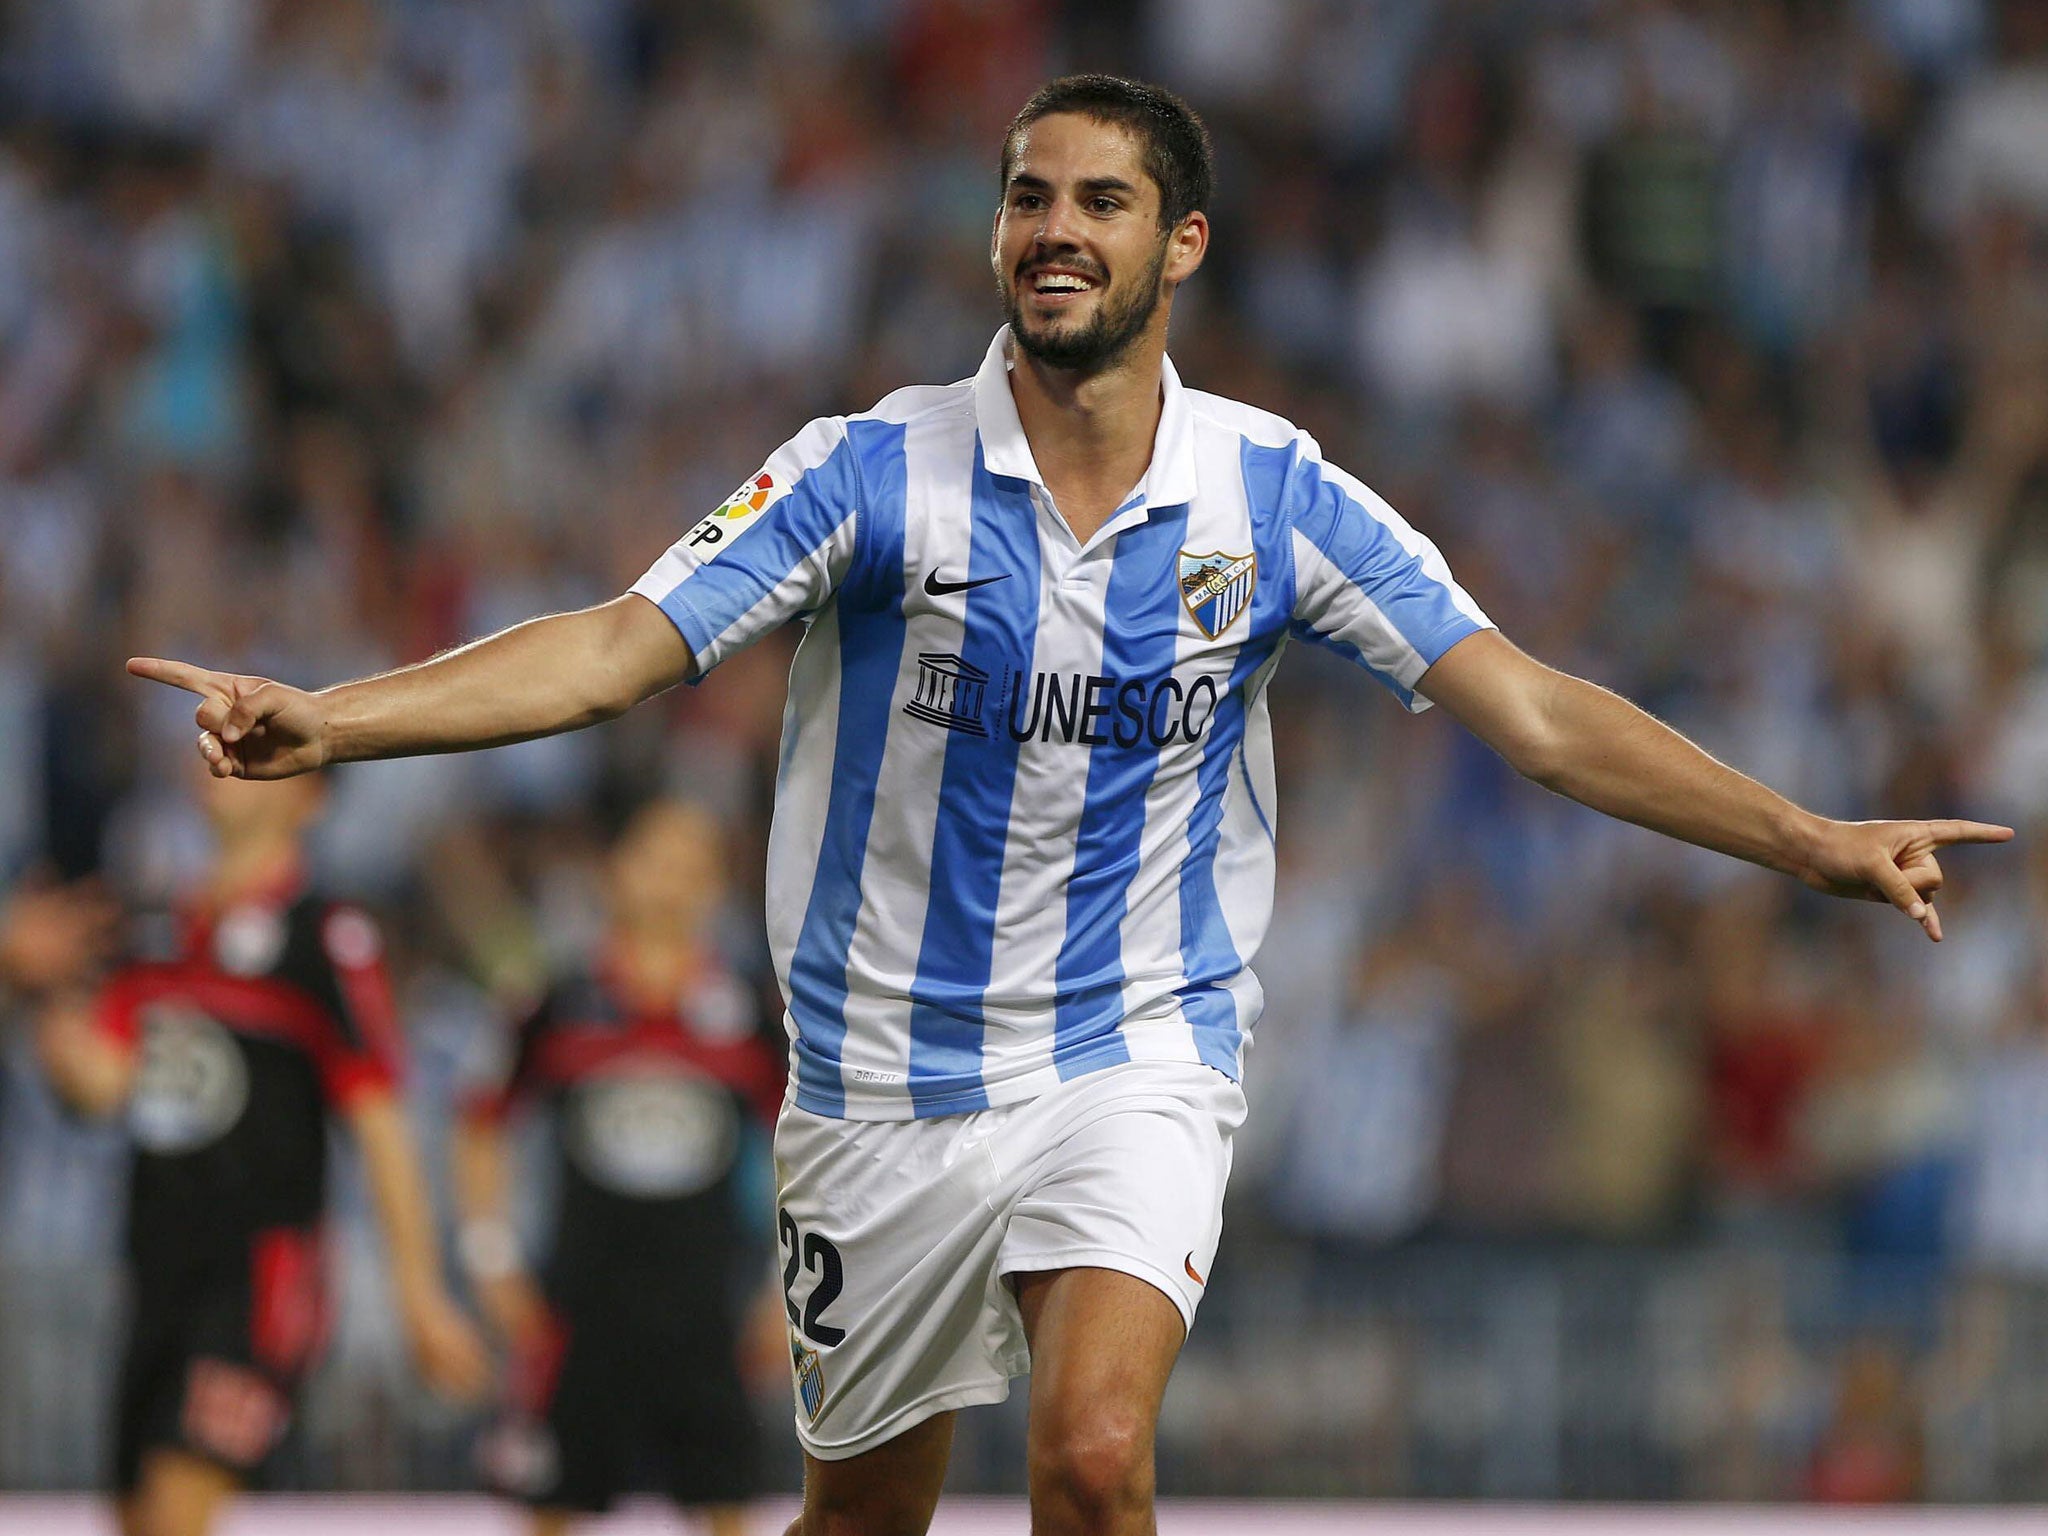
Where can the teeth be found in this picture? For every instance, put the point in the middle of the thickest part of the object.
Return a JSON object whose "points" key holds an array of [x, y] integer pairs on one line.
{"points": [[1062, 284]]}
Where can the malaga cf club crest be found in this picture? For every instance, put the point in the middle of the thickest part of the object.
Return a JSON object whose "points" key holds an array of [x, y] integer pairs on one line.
{"points": [[810, 1375], [1217, 588]]}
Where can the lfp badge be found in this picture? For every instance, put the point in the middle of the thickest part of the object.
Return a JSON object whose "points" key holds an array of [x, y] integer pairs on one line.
{"points": [[1217, 588], [755, 496]]}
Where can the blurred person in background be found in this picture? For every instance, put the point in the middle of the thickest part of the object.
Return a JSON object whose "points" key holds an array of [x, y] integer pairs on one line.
{"points": [[51, 936], [239, 1025], [1870, 1451], [1070, 507], [650, 1067]]}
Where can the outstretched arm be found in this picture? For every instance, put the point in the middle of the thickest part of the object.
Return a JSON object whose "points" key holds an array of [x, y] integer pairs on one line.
{"points": [[1594, 746], [534, 679]]}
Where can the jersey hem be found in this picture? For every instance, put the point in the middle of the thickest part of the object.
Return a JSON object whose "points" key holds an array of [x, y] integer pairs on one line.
{"points": [[974, 1095]]}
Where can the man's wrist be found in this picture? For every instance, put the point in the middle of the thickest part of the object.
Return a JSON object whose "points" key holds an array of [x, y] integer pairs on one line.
{"points": [[1798, 840], [335, 733]]}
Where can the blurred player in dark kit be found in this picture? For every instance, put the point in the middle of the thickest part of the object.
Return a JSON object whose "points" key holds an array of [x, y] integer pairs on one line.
{"points": [[238, 1026], [624, 1362]]}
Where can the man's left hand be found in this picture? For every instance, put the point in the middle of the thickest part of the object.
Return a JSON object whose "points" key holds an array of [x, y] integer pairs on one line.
{"points": [[446, 1348], [1891, 861]]}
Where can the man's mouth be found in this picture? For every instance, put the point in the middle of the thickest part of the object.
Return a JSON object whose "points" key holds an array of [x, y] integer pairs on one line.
{"points": [[1056, 285]]}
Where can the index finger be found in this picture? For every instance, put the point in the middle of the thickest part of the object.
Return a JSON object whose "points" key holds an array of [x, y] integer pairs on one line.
{"points": [[1946, 832], [179, 674]]}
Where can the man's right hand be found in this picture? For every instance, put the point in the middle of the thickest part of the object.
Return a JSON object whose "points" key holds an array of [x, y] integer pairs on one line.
{"points": [[446, 1349], [517, 1310], [249, 727]]}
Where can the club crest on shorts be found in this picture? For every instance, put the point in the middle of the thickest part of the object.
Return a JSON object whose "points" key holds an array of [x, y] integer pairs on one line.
{"points": [[1217, 587], [810, 1375]]}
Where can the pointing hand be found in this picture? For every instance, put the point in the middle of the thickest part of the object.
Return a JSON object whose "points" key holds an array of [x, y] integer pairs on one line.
{"points": [[249, 727], [1892, 861]]}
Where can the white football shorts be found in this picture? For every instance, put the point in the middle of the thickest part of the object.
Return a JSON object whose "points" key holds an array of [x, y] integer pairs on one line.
{"points": [[896, 1235]]}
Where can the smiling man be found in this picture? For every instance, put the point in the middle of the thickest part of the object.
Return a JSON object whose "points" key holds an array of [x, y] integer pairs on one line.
{"points": [[1022, 852]]}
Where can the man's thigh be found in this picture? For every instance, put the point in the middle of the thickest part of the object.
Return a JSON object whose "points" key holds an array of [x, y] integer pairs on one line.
{"points": [[891, 1490], [1103, 1344]]}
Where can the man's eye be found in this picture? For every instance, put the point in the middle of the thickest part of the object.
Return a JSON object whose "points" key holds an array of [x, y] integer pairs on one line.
{"points": [[1102, 204]]}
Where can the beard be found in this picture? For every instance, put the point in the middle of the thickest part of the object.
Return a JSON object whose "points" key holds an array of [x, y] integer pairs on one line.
{"points": [[1118, 322]]}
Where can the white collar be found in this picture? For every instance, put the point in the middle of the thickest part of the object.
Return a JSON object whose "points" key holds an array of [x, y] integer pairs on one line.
{"points": [[1169, 480]]}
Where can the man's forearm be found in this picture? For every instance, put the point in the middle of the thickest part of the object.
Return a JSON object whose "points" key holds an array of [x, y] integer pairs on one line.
{"points": [[398, 1193], [546, 675], [480, 1172], [1606, 753], [1582, 741]]}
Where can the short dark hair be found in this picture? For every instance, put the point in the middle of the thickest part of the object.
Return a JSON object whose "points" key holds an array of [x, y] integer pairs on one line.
{"points": [[1178, 155]]}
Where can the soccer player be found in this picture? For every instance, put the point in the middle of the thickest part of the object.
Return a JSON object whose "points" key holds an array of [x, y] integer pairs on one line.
{"points": [[650, 1067], [238, 1026], [1022, 848]]}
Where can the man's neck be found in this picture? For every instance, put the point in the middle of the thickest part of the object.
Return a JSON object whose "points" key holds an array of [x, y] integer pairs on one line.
{"points": [[1091, 432], [253, 869], [652, 964]]}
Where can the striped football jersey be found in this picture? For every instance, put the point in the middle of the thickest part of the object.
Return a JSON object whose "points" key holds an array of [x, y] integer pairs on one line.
{"points": [[1024, 815]]}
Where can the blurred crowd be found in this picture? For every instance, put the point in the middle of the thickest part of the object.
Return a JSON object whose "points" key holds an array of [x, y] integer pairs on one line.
{"points": [[1709, 338]]}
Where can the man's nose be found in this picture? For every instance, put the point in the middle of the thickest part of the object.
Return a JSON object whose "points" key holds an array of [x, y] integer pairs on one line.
{"points": [[1056, 225]]}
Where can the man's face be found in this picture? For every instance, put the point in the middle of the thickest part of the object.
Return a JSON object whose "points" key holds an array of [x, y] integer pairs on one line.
{"points": [[1080, 259], [668, 870], [245, 810]]}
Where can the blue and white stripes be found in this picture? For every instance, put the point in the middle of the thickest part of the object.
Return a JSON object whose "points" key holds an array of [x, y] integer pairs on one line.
{"points": [[1023, 825]]}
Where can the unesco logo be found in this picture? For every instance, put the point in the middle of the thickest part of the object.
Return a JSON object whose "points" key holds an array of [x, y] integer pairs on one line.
{"points": [[1074, 708], [951, 692]]}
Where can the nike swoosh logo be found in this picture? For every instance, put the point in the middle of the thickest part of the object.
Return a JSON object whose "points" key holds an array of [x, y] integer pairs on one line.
{"points": [[933, 587], [1188, 1264]]}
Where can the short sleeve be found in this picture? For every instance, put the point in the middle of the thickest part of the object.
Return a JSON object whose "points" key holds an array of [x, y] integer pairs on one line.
{"points": [[778, 548], [1367, 585], [498, 1071], [366, 1050], [117, 1006]]}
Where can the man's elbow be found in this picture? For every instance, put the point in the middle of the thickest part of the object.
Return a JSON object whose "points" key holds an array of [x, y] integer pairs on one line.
{"points": [[1541, 759], [1528, 735], [1569, 731], [640, 653]]}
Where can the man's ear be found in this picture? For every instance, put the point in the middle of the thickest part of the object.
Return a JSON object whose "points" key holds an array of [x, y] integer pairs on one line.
{"points": [[995, 244], [1186, 247]]}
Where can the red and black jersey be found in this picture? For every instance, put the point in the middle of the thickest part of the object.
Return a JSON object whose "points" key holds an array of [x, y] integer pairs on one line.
{"points": [[647, 1111], [252, 1023]]}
